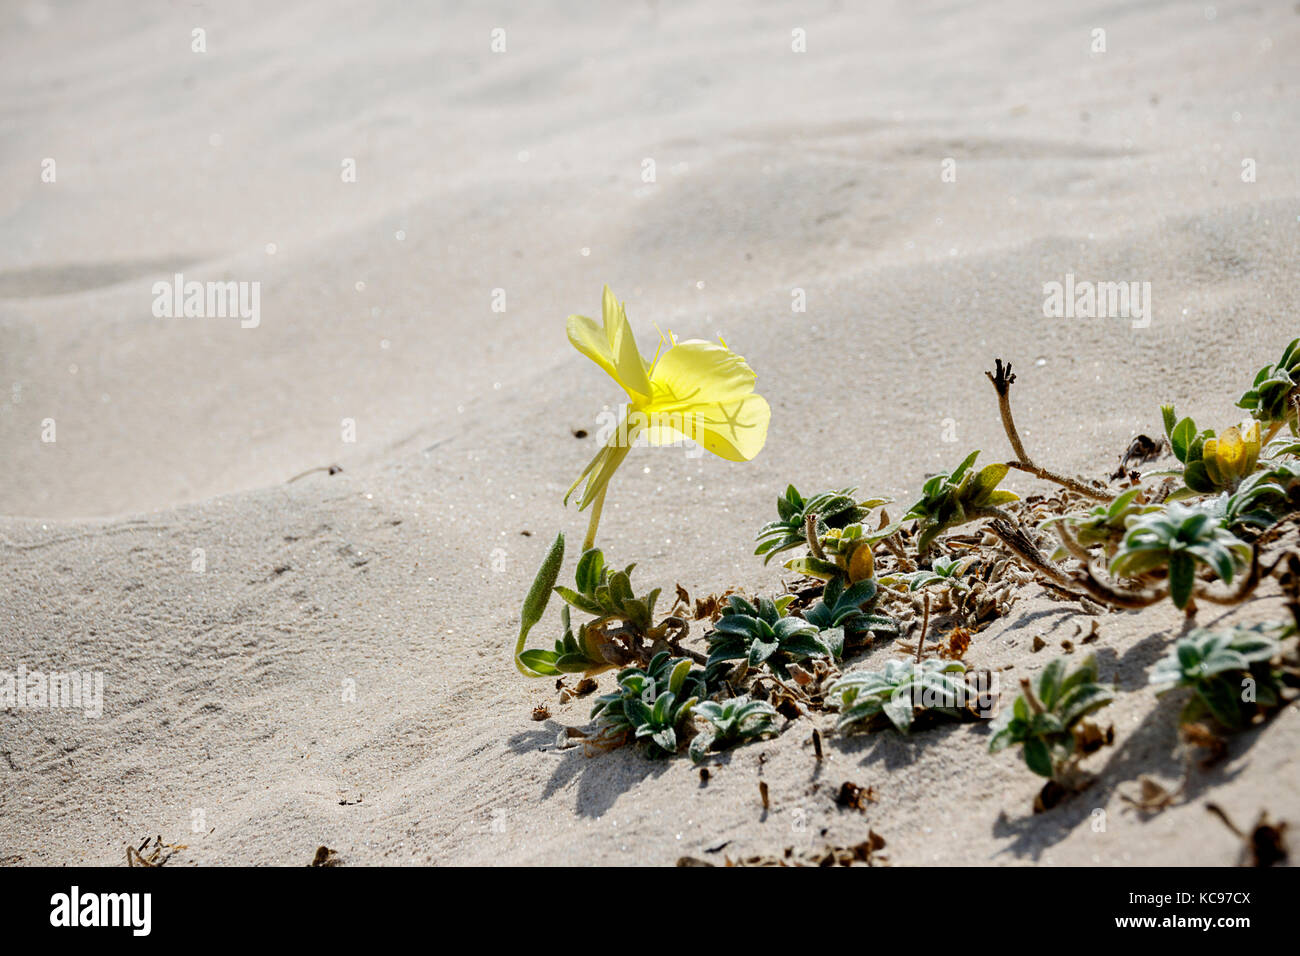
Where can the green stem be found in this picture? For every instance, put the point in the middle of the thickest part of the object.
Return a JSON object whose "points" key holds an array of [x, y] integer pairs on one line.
{"points": [[596, 506]]}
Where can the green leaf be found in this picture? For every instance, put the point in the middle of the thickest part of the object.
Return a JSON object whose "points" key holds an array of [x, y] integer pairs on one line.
{"points": [[1167, 413], [677, 679], [987, 480], [666, 739], [1084, 673], [899, 709], [1049, 683], [541, 663], [700, 745], [1182, 578], [620, 588], [663, 707], [1223, 701], [638, 712], [960, 470], [1083, 700], [587, 574], [1180, 438], [580, 601], [1197, 477], [1037, 757], [815, 568]]}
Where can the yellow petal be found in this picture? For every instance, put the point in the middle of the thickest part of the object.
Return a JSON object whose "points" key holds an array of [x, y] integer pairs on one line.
{"points": [[1229, 451], [1250, 436], [862, 563], [733, 430], [612, 346], [699, 373]]}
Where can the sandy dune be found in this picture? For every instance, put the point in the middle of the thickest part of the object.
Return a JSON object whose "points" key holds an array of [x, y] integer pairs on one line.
{"points": [[522, 171]]}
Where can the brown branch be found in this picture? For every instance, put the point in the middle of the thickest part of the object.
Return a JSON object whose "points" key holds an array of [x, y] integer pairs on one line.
{"points": [[1072, 543], [1002, 380], [1107, 594], [1020, 544], [1242, 590]]}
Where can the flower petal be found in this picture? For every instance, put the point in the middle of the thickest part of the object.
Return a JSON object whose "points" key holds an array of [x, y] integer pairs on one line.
{"points": [[612, 346], [734, 430], [697, 373]]}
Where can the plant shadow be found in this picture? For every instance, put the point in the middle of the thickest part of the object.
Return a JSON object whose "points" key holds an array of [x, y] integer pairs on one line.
{"points": [[894, 750], [601, 778]]}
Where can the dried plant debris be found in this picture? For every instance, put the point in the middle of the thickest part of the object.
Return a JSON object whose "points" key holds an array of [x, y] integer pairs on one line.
{"points": [[326, 857], [710, 608], [866, 853], [1153, 796], [1199, 737], [152, 854], [1264, 845], [851, 796], [584, 687], [954, 644], [541, 712]]}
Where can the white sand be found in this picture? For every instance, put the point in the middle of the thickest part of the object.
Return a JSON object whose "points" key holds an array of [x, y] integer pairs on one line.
{"points": [[522, 171]]}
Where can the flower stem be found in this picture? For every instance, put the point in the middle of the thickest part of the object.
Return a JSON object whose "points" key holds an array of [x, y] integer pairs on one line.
{"points": [[590, 541], [925, 626], [810, 533]]}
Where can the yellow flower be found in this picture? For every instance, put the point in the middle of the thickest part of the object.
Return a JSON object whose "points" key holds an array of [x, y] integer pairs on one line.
{"points": [[695, 390], [1232, 454]]}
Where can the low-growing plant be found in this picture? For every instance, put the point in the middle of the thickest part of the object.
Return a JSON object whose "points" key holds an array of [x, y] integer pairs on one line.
{"points": [[954, 498], [1212, 463], [1175, 540], [1263, 499], [762, 635], [651, 704], [1047, 718], [833, 509], [843, 554], [944, 570], [1274, 398], [574, 653], [845, 616], [1103, 525], [624, 630], [898, 692], [606, 593], [1229, 672], [730, 722]]}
